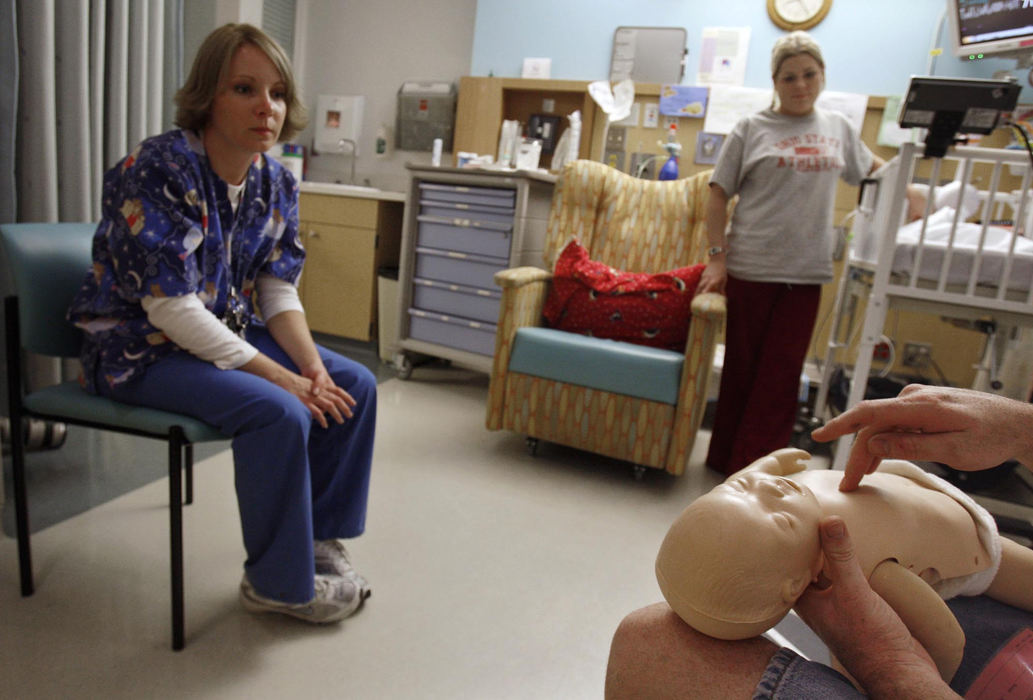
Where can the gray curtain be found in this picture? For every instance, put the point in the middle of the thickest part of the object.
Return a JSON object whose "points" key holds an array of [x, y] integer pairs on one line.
{"points": [[81, 83]]}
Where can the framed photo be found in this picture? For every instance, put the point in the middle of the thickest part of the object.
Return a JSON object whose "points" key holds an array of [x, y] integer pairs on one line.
{"points": [[707, 147]]}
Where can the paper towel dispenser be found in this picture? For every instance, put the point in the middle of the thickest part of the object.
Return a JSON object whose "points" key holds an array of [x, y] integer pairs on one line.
{"points": [[339, 117], [426, 111]]}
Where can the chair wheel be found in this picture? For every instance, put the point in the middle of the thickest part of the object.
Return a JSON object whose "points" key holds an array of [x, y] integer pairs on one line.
{"points": [[532, 445], [638, 471]]}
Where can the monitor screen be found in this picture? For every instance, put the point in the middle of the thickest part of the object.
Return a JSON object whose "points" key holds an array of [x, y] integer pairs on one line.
{"points": [[982, 28]]}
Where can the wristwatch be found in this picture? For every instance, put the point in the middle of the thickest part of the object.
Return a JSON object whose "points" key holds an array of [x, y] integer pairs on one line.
{"points": [[715, 250]]}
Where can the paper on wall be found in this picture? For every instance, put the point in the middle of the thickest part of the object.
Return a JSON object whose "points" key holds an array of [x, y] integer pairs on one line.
{"points": [[727, 104], [890, 132], [683, 101], [722, 57], [849, 104]]}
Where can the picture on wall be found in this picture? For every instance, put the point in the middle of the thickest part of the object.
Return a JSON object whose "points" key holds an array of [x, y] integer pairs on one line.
{"points": [[707, 147]]}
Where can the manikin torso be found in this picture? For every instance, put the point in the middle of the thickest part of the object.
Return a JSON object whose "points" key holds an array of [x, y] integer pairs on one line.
{"points": [[893, 517]]}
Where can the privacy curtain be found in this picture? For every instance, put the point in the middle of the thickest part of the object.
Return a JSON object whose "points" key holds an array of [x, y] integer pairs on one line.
{"points": [[90, 85], [81, 83]]}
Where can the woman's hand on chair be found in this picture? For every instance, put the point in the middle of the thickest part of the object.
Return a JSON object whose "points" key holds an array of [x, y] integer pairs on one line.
{"points": [[714, 277]]}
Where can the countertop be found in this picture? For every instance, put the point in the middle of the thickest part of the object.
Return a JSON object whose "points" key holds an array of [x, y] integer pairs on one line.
{"points": [[351, 191], [540, 175]]}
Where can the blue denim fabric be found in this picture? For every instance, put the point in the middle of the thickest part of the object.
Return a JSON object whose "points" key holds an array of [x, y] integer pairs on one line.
{"points": [[988, 625]]}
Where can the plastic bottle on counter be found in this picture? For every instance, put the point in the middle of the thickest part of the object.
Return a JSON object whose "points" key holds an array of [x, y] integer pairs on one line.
{"points": [[670, 169], [435, 156]]}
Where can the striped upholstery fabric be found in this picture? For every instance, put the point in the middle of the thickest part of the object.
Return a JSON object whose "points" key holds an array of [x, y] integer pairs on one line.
{"points": [[635, 225]]}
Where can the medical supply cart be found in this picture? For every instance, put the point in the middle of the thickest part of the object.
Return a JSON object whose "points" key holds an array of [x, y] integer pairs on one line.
{"points": [[461, 227]]}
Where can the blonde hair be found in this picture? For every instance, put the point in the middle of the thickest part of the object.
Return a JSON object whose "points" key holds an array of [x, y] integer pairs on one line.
{"points": [[794, 44], [194, 98]]}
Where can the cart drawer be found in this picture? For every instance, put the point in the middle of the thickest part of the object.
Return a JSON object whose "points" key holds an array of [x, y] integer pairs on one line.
{"points": [[456, 300], [466, 236], [452, 332], [472, 212], [458, 268], [468, 195]]}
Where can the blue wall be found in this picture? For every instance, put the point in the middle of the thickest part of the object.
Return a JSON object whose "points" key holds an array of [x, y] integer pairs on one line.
{"points": [[870, 46]]}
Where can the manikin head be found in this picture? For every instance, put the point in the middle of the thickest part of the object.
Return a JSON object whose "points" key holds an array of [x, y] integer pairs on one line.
{"points": [[737, 558]]}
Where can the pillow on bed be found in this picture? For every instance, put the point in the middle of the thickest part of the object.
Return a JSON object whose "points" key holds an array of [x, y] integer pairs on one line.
{"points": [[594, 299]]}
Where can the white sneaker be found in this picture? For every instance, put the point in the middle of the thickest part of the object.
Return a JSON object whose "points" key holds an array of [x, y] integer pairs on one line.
{"points": [[336, 598], [332, 560]]}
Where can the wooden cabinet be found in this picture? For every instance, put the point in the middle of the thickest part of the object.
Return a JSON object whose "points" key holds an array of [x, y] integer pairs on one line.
{"points": [[346, 239]]}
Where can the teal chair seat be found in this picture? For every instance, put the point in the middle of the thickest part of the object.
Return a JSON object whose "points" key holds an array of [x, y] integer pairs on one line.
{"points": [[48, 263], [68, 402]]}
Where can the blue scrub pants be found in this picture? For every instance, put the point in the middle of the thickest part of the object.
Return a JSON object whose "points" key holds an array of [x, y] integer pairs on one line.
{"points": [[295, 480]]}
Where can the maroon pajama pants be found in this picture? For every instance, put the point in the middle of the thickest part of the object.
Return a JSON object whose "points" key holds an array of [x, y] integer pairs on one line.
{"points": [[766, 339]]}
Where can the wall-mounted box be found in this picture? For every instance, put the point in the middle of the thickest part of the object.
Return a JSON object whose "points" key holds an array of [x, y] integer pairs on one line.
{"points": [[338, 123], [426, 111]]}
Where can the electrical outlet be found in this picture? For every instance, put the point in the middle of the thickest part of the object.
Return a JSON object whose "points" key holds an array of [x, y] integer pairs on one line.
{"points": [[916, 354], [646, 161], [615, 138]]}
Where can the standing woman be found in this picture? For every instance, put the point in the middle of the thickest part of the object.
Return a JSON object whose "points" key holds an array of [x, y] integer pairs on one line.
{"points": [[784, 163], [198, 242]]}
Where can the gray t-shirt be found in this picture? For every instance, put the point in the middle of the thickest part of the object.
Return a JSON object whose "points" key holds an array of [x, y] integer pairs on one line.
{"points": [[784, 169]]}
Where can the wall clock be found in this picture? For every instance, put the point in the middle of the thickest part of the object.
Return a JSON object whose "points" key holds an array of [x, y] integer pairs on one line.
{"points": [[798, 14]]}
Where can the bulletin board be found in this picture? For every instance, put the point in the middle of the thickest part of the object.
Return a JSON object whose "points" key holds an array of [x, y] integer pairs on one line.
{"points": [[649, 54]]}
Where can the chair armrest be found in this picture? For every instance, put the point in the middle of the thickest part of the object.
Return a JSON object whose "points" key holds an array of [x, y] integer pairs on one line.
{"points": [[708, 318], [519, 276], [523, 296], [711, 306]]}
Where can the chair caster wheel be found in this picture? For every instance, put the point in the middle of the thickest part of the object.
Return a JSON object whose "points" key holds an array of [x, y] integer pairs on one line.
{"points": [[638, 471], [532, 445]]}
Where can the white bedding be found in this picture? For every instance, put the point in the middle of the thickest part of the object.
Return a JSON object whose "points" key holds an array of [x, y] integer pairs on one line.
{"points": [[995, 252]]}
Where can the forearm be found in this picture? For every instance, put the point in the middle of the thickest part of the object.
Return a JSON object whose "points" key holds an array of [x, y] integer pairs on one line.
{"points": [[291, 332], [717, 217], [186, 322]]}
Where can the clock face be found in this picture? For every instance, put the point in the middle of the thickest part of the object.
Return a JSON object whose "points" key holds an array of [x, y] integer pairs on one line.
{"points": [[798, 14]]}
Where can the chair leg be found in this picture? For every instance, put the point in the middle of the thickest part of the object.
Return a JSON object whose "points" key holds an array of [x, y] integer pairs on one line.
{"points": [[176, 534], [21, 504], [12, 343], [189, 467]]}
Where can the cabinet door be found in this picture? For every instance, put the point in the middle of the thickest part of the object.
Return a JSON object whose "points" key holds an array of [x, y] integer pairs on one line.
{"points": [[339, 280]]}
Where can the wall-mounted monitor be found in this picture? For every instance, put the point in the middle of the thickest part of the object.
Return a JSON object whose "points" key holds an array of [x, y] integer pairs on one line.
{"points": [[984, 28]]}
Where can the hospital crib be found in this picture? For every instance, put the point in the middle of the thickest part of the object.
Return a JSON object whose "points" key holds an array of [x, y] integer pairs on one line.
{"points": [[968, 259]]}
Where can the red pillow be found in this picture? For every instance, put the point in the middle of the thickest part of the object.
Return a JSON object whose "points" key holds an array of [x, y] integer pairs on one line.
{"points": [[594, 299]]}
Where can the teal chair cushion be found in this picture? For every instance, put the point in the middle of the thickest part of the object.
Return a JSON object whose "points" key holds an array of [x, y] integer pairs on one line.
{"points": [[69, 401], [608, 365]]}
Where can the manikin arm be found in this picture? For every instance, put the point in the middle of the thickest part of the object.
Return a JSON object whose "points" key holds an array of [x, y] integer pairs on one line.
{"points": [[1013, 583], [924, 613], [788, 460]]}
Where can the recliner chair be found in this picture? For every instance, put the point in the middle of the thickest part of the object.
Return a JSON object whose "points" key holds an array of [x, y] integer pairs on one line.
{"points": [[630, 402]]}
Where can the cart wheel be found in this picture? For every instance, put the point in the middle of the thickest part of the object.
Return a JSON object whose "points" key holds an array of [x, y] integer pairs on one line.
{"points": [[405, 367], [532, 445], [638, 471]]}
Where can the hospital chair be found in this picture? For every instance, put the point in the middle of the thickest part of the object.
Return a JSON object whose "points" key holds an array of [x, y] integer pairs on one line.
{"points": [[47, 263], [630, 402]]}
